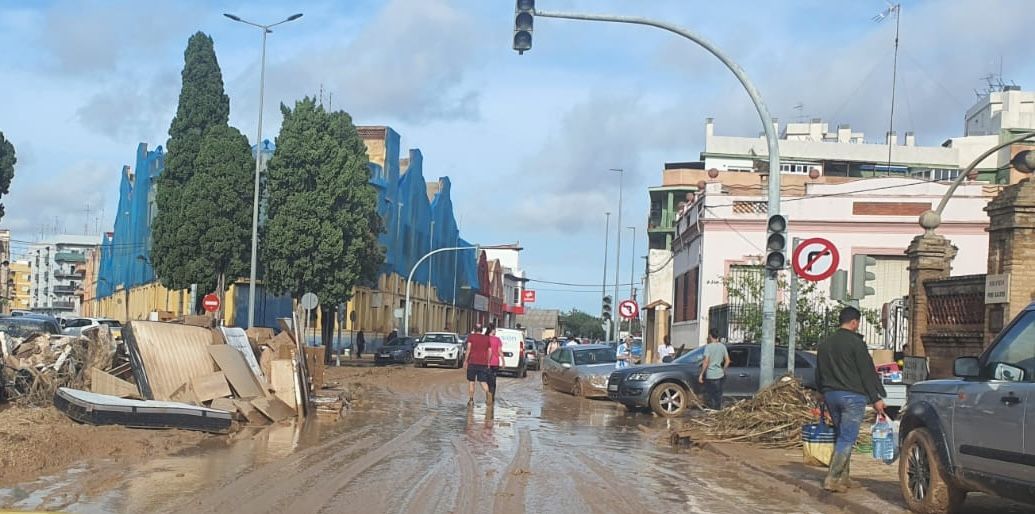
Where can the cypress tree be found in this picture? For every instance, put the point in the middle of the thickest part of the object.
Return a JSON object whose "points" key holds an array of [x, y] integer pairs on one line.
{"points": [[7, 161]]}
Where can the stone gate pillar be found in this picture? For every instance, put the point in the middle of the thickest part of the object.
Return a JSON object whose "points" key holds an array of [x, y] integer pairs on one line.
{"points": [[930, 257], [1011, 252]]}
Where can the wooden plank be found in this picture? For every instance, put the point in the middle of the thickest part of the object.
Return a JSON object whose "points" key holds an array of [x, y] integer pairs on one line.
{"points": [[184, 394], [273, 408], [314, 363], [210, 386], [250, 413], [104, 383], [237, 372], [226, 404], [282, 378], [266, 357]]}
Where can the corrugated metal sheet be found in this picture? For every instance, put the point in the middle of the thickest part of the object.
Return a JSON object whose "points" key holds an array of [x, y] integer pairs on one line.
{"points": [[166, 356]]}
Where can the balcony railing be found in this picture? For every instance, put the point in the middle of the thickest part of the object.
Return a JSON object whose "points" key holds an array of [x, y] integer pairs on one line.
{"points": [[62, 275], [65, 289], [63, 306], [69, 257]]}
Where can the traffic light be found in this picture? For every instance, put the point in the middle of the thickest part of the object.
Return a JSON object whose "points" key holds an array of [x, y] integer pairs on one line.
{"points": [[605, 310], [839, 286], [524, 14], [776, 243], [862, 277]]}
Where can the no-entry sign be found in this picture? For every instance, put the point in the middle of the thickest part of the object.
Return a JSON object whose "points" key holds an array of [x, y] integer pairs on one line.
{"points": [[210, 302], [815, 259], [628, 309], [528, 296]]}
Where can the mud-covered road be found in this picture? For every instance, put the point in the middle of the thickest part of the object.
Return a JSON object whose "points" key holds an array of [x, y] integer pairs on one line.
{"points": [[412, 446]]}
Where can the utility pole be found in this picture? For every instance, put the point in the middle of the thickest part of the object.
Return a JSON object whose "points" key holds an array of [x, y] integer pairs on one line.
{"points": [[618, 249], [431, 269], [792, 314], [603, 285], [523, 43], [632, 266]]}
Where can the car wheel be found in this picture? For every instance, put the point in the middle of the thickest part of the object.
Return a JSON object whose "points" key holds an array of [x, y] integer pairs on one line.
{"points": [[924, 487], [546, 379], [408, 358], [576, 390], [668, 400]]}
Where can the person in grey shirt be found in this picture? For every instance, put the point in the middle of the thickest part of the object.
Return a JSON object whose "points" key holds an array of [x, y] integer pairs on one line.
{"points": [[713, 370]]}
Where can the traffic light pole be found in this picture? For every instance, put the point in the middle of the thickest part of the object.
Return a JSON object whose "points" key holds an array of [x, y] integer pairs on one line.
{"points": [[769, 291], [792, 314]]}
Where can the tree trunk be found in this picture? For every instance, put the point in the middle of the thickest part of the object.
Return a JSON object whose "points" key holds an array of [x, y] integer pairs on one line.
{"points": [[327, 330]]}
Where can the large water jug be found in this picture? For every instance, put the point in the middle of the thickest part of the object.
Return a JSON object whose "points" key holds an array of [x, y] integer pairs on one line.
{"points": [[885, 444]]}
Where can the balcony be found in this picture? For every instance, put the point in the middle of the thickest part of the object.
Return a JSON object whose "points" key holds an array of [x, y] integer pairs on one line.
{"points": [[70, 275], [70, 257], [65, 306], [65, 289]]}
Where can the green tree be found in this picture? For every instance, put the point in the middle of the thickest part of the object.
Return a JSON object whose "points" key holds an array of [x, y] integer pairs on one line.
{"points": [[580, 324], [7, 161], [202, 105], [817, 314], [321, 235]]}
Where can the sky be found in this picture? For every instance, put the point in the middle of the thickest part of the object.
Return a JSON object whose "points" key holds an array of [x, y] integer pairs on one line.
{"points": [[528, 141]]}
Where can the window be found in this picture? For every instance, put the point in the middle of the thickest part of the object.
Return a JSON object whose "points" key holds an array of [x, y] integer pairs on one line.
{"points": [[691, 287], [565, 357], [1015, 348], [739, 357], [677, 311]]}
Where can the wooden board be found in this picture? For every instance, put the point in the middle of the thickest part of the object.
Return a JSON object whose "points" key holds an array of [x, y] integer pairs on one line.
{"points": [[237, 372], [266, 356], [282, 378], [250, 413], [283, 344], [237, 338], [104, 383], [259, 335], [273, 408], [314, 364], [210, 386], [184, 394], [166, 355], [226, 404]]}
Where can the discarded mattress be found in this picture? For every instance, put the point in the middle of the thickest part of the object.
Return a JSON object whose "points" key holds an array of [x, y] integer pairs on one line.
{"points": [[166, 355], [101, 409], [238, 338]]}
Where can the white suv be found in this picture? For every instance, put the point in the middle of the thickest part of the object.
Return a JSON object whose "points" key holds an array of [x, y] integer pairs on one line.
{"points": [[441, 348]]}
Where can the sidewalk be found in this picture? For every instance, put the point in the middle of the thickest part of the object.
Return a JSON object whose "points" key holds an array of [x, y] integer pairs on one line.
{"points": [[878, 491]]}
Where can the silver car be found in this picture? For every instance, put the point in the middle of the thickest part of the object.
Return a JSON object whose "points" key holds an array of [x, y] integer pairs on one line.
{"points": [[581, 370]]}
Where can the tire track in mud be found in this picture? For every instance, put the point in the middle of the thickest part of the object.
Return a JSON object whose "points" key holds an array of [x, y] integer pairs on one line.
{"points": [[307, 488], [466, 502], [510, 495], [426, 495], [597, 488]]}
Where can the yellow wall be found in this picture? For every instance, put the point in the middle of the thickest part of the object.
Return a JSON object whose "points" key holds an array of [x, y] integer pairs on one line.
{"points": [[21, 280]]}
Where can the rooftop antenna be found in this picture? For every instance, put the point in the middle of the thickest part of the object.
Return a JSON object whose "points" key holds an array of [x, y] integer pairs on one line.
{"points": [[800, 107], [895, 9]]}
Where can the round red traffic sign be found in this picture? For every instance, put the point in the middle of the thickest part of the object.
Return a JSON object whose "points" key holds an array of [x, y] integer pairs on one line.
{"points": [[210, 302], [815, 259], [628, 309]]}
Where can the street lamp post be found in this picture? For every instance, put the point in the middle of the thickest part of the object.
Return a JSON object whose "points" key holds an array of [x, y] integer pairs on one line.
{"points": [[618, 249], [773, 207], [409, 278], [258, 159]]}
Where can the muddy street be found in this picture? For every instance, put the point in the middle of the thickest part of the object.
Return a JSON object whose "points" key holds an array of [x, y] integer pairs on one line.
{"points": [[411, 445]]}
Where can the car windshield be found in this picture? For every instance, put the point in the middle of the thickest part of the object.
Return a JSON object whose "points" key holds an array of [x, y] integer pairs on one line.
{"points": [[530, 346], [594, 356], [694, 357], [439, 338], [24, 327]]}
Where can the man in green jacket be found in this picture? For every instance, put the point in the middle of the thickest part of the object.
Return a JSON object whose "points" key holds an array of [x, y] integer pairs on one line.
{"points": [[848, 380]]}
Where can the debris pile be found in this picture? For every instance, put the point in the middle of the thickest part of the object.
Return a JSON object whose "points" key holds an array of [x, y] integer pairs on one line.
{"points": [[190, 375], [773, 418]]}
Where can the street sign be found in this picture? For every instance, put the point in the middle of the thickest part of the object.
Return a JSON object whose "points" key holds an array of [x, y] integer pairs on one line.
{"points": [[528, 296], [309, 301], [628, 309], [997, 288], [210, 302], [815, 259]]}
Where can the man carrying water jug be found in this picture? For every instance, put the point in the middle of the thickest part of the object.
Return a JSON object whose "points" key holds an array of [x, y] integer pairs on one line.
{"points": [[848, 380]]}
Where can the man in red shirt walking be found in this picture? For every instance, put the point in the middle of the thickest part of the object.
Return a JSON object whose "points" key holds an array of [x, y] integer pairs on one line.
{"points": [[478, 349]]}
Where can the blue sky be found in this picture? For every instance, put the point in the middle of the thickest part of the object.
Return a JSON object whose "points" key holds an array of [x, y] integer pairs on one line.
{"points": [[527, 140]]}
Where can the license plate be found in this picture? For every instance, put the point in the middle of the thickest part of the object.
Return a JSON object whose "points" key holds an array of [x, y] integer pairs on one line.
{"points": [[612, 387], [386, 355]]}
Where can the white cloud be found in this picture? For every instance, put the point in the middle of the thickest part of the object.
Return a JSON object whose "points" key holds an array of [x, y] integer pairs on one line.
{"points": [[132, 111], [60, 198]]}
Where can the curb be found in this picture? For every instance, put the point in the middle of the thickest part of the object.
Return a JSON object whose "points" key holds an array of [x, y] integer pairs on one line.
{"points": [[813, 489]]}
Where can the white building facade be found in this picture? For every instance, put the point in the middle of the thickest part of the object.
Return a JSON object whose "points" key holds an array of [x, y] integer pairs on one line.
{"points": [[514, 281], [725, 228], [58, 270]]}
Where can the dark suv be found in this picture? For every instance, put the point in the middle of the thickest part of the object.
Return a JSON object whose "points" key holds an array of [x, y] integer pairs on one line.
{"points": [[975, 432], [663, 387]]}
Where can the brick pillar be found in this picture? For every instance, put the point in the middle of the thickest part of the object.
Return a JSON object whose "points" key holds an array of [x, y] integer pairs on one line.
{"points": [[1011, 248], [930, 257]]}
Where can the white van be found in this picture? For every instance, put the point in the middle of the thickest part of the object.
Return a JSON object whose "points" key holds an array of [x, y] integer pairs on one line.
{"points": [[512, 352]]}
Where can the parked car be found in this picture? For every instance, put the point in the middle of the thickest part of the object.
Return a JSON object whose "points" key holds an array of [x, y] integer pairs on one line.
{"points": [[399, 349], [25, 326], [663, 387], [974, 432], [533, 355], [76, 326], [581, 370], [440, 348], [512, 353]]}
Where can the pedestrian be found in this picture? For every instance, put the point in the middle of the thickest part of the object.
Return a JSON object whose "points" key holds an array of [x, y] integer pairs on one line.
{"points": [[361, 343], [478, 366], [572, 342], [623, 355], [495, 347], [847, 379], [713, 370], [666, 351], [553, 346]]}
